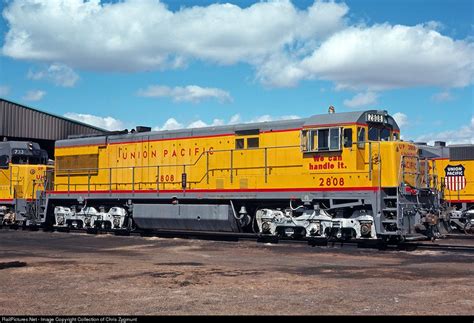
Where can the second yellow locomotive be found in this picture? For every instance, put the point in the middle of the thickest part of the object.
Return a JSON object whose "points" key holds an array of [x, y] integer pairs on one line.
{"points": [[23, 171], [345, 175]]}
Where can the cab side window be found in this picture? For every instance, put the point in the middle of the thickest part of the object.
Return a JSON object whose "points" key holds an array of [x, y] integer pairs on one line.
{"points": [[4, 161], [327, 139], [347, 138], [323, 139], [252, 142], [361, 137], [239, 143], [360, 134]]}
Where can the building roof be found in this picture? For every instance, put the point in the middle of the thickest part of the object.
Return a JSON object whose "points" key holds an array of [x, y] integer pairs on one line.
{"points": [[21, 121]]}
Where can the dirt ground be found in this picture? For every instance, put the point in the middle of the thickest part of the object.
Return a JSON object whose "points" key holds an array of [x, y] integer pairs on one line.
{"points": [[76, 274]]}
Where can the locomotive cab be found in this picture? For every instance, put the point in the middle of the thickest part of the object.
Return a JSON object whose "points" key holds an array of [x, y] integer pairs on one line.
{"points": [[368, 155]]}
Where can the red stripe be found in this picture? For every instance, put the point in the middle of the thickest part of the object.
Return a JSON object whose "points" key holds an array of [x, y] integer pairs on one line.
{"points": [[374, 189], [460, 201]]}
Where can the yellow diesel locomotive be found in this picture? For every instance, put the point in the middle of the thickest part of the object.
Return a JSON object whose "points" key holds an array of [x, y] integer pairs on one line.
{"points": [[23, 171], [455, 170], [344, 175]]}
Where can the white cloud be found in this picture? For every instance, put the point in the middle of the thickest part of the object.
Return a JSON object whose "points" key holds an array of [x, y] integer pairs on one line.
{"points": [[401, 119], [59, 74], [4, 90], [141, 35], [463, 135], [201, 124], [173, 124], [442, 96], [379, 57], [236, 118], [190, 93], [361, 99], [108, 123], [170, 124], [284, 44], [34, 95]]}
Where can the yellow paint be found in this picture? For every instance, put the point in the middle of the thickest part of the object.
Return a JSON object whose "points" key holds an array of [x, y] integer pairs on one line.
{"points": [[214, 163], [466, 194], [22, 181]]}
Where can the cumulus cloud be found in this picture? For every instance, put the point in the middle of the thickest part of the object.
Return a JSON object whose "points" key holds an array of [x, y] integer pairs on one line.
{"points": [[4, 90], [385, 57], [284, 44], [190, 93], [401, 119], [463, 135], [74, 31], [108, 123], [361, 99], [442, 96], [170, 124], [59, 74], [34, 95]]}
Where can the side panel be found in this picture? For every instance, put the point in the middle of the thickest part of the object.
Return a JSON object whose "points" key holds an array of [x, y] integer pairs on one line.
{"points": [[185, 217]]}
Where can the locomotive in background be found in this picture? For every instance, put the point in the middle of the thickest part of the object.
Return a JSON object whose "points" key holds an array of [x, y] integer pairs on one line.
{"points": [[454, 166], [341, 175], [23, 174]]}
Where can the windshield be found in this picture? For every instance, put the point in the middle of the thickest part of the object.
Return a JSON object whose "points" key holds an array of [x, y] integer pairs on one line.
{"points": [[379, 133], [27, 160]]}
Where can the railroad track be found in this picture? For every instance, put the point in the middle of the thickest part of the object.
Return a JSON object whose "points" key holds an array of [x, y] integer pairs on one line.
{"points": [[226, 236], [459, 236]]}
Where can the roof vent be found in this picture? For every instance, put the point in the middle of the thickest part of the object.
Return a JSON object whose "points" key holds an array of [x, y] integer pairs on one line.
{"points": [[143, 129], [440, 143]]}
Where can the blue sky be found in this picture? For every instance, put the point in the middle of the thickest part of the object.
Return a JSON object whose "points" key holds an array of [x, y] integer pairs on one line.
{"points": [[118, 64]]}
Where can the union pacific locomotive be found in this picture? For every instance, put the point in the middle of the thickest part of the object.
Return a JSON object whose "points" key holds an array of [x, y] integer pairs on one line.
{"points": [[454, 166], [23, 169], [336, 175]]}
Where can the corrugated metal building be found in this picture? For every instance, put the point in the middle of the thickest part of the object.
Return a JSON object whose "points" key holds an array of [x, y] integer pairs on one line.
{"points": [[19, 122]]}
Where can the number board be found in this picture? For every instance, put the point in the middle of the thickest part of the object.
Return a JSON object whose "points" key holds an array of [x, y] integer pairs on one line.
{"points": [[18, 152], [375, 117]]}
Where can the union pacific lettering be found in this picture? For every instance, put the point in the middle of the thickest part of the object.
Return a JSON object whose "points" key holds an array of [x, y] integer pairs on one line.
{"points": [[173, 153]]}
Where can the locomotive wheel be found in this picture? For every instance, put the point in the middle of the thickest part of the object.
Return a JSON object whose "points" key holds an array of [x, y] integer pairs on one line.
{"points": [[468, 228]]}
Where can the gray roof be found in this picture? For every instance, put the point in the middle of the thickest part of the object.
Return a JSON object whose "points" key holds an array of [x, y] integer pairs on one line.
{"points": [[458, 152], [7, 146], [268, 126], [20, 121]]}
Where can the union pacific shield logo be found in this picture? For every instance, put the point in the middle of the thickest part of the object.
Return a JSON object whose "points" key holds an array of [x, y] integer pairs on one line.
{"points": [[454, 179]]}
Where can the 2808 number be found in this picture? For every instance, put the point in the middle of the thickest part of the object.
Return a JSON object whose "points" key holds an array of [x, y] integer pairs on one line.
{"points": [[331, 181], [166, 178]]}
